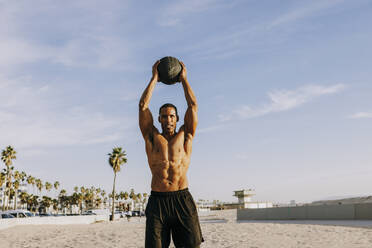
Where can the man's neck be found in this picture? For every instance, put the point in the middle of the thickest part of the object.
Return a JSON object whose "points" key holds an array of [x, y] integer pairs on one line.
{"points": [[168, 135]]}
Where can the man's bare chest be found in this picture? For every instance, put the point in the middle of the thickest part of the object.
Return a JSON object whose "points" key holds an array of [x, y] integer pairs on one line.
{"points": [[172, 146]]}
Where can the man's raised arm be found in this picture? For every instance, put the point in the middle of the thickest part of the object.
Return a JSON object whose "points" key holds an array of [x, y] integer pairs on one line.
{"points": [[146, 122], [191, 116]]}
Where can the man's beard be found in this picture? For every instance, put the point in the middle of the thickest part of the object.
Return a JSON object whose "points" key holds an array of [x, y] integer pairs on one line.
{"points": [[169, 129]]}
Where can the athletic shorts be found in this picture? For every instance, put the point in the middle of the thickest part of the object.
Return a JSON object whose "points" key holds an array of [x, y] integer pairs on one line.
{"points": [[172, 213]]}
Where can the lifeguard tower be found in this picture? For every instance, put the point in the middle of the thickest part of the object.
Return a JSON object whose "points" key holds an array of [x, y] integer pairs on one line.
{"points": [[245, 199]]}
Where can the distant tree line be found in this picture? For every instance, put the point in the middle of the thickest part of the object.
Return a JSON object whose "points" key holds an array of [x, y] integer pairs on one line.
{"points": [[83, 198]]}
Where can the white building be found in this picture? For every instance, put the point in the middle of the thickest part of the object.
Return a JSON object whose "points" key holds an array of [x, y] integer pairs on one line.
{"points": [[245, 199]]}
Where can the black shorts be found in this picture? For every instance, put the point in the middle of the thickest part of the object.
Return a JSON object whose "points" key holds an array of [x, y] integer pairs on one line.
{"points": [[172, 213]]}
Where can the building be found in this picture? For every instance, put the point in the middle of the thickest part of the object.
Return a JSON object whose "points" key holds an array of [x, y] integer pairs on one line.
{"points": [[245, 199]]}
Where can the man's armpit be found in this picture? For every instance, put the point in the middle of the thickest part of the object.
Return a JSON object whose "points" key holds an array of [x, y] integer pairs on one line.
{"points": [[151, 134]]}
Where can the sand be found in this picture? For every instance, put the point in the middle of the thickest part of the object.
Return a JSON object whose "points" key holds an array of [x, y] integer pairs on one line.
{"points": [[228, 234]]}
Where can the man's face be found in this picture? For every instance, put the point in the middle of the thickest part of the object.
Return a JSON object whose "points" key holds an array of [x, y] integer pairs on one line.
{"points": [[168, 119]]}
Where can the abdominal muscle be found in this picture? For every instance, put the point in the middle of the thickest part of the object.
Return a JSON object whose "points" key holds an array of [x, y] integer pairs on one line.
{"points": [[169, 162], [168, 176]]}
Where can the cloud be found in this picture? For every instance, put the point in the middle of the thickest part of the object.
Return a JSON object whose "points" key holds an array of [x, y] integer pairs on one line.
{"points": [[210, 129], [129, 97], [241, 156], [302, 12], [177, 11], [92, 51], [78, 35], [283, 100], [33, 116], [250, 36], [361, 115], [14, 52]]}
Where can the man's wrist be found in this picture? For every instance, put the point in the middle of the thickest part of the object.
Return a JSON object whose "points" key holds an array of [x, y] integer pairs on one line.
{"points": [[156, 79]]}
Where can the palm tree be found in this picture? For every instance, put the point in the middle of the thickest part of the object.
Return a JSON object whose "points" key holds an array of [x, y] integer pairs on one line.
{"points": [[39, 185], [31, 181], [17, 177], [93, 191], [116, 159], [2, 181], [103, 194], [79, 199], [98, 191], [74, 200], [133, 197], [98, 202], [55, 205], [7, 156], [139, 199], [56, 186], [82, 191], [23, 176], [121, 195], [139, 196], [88, 199], [48, 186], [23, 196], [126, 196], [63, 199], [46, 202], [144, 201], [33, 202]]}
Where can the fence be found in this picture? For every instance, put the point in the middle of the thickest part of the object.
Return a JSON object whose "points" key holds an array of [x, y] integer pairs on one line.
{"points": [[60, 220], [361, 211]]}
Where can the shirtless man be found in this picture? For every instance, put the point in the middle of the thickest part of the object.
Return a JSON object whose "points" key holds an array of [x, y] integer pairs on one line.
{"points": [[171, 208]]}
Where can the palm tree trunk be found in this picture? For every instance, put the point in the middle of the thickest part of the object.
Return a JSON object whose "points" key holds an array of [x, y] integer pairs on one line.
{"points": [[8, 207], [113, 198], [4, 200], [15, 200], [10, 185], [4, 193]]}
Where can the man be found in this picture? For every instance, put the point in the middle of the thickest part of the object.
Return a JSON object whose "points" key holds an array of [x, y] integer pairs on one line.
{"points": [[171, 208]]}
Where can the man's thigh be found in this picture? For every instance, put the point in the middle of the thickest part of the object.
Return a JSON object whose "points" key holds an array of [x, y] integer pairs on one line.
{"points": [[186, 230], [157, 233]]}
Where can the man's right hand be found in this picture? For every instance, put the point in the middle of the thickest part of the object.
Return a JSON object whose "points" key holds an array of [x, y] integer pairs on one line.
{"points": [[155, 73], [183, 74]]}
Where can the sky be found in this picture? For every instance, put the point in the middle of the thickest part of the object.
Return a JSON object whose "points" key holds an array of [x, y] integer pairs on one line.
{"points": [[283, 87]]}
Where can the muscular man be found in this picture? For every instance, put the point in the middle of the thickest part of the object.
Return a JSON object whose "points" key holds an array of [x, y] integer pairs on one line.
{"points": [[171, 208]]}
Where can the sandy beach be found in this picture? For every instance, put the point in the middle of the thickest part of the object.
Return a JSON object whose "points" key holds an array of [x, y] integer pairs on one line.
{"points": [[220, 229]]}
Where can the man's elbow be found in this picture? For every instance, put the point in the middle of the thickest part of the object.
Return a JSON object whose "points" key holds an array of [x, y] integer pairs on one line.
{"points": [[142, 106], [194, 106]]}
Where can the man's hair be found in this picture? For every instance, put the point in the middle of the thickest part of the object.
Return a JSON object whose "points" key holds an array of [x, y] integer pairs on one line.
{"points": [[168, 105]]}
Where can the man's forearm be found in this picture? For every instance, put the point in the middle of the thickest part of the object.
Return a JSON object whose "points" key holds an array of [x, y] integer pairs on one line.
{"points": [[146, 95], [189, 94]]}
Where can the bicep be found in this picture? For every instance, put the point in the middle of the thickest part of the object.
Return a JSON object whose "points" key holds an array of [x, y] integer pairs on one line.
{"points": [[191, 120], [146, 122]]}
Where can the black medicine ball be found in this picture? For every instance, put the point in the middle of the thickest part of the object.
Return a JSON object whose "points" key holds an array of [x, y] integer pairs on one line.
{"points": [[169, 70]]}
